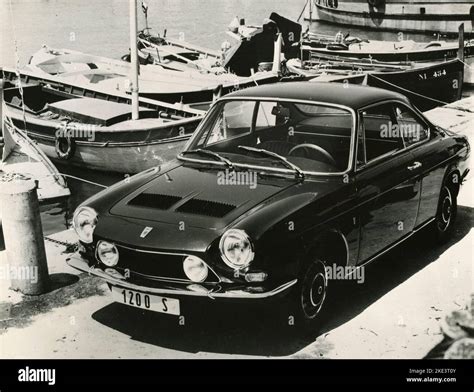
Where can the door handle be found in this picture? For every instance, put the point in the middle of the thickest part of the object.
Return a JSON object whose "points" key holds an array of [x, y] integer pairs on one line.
{"points": [[414, 166]]}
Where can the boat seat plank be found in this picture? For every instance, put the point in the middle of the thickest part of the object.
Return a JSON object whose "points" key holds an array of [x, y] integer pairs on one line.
{"points": [[94, 111]]}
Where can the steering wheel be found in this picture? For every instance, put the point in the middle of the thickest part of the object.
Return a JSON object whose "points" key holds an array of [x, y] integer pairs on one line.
{"points": [[316, 148]]}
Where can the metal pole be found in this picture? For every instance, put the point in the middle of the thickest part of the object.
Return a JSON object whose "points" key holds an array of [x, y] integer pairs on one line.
{"points": [[134, 58], [461, 42], [310, 11]]}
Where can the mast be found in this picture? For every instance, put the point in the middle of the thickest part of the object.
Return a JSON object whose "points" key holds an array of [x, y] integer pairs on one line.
{"points": [[134, 58]]}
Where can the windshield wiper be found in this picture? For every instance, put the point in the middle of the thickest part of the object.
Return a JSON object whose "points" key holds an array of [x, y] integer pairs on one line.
{"points": [[210, 154], [299, 173]]}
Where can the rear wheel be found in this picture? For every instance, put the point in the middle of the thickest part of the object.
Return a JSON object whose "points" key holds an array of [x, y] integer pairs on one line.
{"points": [[446, 214]]}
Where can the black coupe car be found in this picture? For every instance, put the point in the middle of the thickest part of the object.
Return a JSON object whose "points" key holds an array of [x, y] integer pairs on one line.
{"points": [[278, 185]]}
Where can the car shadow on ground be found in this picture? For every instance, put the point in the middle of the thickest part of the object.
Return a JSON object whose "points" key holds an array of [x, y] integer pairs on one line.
{"points": [[262, 330]]}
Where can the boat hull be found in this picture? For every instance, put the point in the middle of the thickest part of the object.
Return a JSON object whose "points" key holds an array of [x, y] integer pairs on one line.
{"points": [[205, 96], [427, 87], [441, 55], [119, 154], [116, 159], [433, 16]]}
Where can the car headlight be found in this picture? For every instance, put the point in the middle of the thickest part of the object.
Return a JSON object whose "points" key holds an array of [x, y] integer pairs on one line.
{"points": [[236, 249], [84, 223], [107, 253], [195, 269]]}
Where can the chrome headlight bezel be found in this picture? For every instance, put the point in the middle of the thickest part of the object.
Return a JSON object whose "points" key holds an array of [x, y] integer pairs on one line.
{"points": [[112, 247], [89, 214], [243, 237]]}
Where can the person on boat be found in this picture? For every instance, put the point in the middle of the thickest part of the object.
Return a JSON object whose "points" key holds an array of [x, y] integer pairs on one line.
{"points": [[339, 38]]}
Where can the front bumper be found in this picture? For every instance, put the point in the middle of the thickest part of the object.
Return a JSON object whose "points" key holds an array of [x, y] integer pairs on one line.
{"points": [[184, 289]]}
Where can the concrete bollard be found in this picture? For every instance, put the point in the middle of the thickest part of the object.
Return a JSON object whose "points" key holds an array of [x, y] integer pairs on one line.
{"points": [[23, 234]]}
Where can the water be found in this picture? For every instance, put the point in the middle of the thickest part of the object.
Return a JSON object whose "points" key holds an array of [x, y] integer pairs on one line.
{"points": [[101, 28]]}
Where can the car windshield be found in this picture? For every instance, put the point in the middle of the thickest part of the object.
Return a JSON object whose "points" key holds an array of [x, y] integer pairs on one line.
{"points": [[303, 137]]}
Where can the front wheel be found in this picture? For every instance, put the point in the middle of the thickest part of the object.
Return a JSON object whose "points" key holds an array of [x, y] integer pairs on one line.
{"points": [[309, 296], [446, 214]]}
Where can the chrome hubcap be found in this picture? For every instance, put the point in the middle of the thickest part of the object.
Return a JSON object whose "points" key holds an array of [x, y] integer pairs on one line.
{"points": [[313, 291], [446, 210], [317, 289]]}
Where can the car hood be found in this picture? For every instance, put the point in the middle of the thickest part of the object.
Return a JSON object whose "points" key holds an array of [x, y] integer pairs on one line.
{"points": [[193, 197]]}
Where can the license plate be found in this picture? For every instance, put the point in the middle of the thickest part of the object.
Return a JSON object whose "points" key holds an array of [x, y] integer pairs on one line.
{"points": [[146, 301]]}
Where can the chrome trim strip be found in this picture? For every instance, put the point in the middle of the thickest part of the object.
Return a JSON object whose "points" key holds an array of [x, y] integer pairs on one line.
{"points": [[78, 263]]}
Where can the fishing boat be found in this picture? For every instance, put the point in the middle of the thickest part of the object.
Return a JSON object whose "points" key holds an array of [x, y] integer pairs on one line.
{"points": [[403, 51], [77, 126], [156, 82], [428, 16], [427, 85], [20, 156], [253, 49], [177, 54]]}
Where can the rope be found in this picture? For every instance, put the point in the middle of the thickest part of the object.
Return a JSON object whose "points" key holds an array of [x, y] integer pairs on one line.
{"points": [[79, 179], [304, 9], [466, 64], [83, 180], [409, 91], [17, 67]]}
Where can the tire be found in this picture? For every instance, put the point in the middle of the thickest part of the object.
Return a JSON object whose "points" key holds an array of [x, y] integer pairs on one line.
{"points": [[65, 148], [446, 213], [307, 301]]}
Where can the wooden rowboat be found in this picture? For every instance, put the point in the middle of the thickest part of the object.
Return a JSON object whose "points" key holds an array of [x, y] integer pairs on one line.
{"points": [[80, 127], [156, 82]]}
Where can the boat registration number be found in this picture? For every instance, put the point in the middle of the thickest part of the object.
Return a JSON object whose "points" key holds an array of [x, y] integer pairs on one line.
{"points": [[139, 300]]}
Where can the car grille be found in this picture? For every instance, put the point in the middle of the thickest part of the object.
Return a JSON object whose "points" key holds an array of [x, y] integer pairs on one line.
{"points": [[154, 266]]}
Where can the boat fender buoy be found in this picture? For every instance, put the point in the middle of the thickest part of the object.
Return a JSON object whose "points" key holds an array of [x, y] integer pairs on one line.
{"points": [[65, 147]]}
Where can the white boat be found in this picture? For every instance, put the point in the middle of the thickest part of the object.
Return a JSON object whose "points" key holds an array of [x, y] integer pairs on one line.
{"points": [[156, 82], [429, 16]]}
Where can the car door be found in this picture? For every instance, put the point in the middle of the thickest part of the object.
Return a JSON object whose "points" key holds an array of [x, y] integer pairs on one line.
{"points": [[429, 153], [388, 185]]}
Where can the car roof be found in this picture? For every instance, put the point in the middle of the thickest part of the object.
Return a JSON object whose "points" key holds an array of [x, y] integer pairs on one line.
{"points": [[352, 96]]}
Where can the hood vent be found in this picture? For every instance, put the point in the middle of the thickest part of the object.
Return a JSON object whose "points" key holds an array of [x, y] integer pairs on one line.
{"points": [[155, 201], [205, 207]]}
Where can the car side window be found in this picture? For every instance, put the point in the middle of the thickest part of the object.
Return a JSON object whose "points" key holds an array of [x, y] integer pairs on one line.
{"points": [[378, 130], [410, 127]]}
